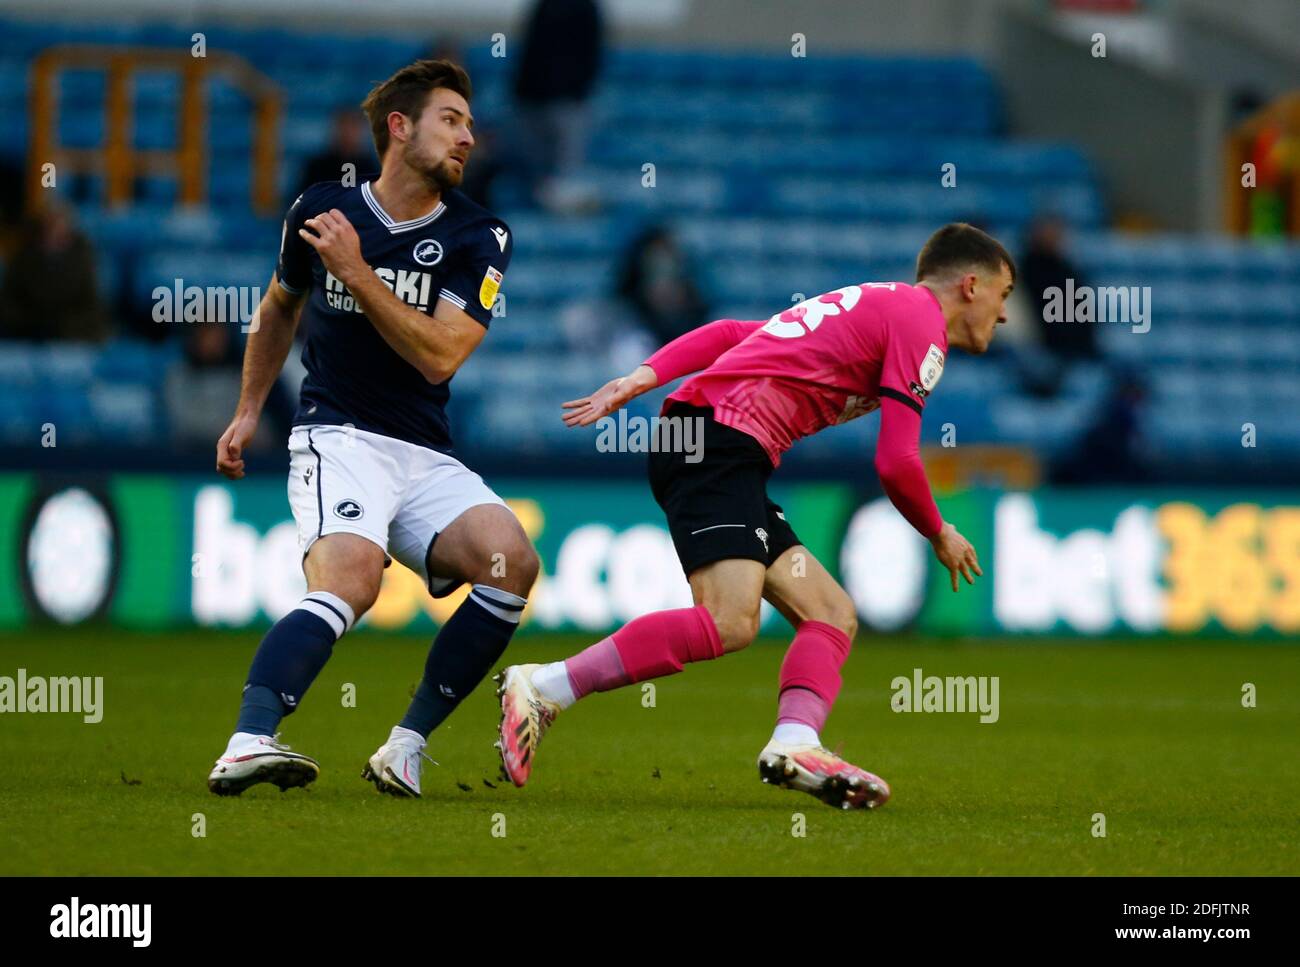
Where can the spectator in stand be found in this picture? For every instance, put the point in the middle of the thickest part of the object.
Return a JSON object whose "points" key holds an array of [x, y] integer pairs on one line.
{"points": [[349, 144], [204, 383], [481, 178], [1045, 265], [557, 73], [49, 290], [1111, 448], [655, 284]]}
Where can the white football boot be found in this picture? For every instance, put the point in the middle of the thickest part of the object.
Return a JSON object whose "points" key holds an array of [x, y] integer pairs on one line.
{"points": [[525, 717], [821, 773], [250, 759], [395, 767]]}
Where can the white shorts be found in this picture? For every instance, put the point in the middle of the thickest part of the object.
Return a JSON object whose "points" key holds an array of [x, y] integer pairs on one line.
{"points": [[396, 494]]}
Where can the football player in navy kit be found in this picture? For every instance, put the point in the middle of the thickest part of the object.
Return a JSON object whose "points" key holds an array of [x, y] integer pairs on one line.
{"points": [[396, 279]]}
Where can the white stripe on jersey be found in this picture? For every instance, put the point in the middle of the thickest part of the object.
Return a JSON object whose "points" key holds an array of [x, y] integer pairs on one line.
{"points": [[452, 297], [394, 226]]}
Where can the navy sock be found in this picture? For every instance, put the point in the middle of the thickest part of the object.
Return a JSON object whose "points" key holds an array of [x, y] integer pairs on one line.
{"points": [[289, 659], [464, 651], [260, 710]]}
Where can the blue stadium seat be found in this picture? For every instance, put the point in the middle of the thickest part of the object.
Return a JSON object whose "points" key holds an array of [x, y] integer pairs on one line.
{"points": [[777, 174]]}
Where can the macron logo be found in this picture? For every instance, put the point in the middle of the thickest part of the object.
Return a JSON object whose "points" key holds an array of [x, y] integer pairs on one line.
{"points": [[110, 921], [501, 235]]}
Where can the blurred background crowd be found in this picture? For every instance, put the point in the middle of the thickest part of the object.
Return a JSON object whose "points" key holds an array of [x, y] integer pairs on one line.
{"points": [[670, 164]]}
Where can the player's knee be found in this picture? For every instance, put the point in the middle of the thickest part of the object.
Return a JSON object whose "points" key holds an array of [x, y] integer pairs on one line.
{"points": [[737, 627], [367, 593], [353, 570], [841, 613], [512, 567], [359, 589], [527, 565], [359, 592]]}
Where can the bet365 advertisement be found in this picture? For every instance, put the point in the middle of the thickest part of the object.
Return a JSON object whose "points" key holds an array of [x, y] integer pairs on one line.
{"points": [[157, 551]]}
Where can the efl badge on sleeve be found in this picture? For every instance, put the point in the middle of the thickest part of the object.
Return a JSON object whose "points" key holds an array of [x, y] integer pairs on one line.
{"points": [[487, 292], [931, 368]]}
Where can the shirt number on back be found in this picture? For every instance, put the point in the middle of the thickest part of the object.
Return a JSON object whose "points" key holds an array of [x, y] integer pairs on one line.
{"points": [[808, 315]]}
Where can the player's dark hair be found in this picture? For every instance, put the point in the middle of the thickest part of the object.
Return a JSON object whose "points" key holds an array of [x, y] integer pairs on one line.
{"points": [[407, 91], [959, 246]]}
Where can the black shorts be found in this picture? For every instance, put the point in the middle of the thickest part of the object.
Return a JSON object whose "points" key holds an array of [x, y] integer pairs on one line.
{"points": [[718, 508]]}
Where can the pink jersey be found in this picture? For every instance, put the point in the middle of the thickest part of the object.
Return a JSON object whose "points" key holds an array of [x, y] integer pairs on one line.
{"points": [[825, 361]]}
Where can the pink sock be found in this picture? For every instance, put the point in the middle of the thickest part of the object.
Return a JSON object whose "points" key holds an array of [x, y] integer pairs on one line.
{"points": [[810, 674], [651, 646], [803, 706], [596, 669]]}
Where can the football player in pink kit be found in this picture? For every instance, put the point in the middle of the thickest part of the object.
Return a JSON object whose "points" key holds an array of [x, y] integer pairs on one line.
{"points": [[760, 387]]}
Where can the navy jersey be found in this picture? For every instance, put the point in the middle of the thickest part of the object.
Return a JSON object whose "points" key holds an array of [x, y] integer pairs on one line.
{"points": [[458, 252]]}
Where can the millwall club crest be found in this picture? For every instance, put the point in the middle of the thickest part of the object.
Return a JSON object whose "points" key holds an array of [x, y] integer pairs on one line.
{"points": [[427, 251], [348, 510], [761, 534]]}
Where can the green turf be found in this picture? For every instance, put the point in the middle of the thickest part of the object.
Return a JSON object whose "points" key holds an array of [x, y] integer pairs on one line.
{"points": [[1151, 734]]}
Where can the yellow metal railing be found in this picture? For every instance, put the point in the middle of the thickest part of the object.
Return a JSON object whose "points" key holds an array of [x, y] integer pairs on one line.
{"points": [[117, 158]]}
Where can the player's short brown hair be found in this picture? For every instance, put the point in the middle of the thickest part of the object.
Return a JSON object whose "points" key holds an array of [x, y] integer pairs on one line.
{"points": [[959, 246], [407, 91]]}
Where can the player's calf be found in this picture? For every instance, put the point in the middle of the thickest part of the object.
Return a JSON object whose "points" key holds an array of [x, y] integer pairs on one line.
{"points": [[292, 654], [730, 590], [737, 627], [288, 660], [485, 546], [469, 643], [648, 647]]}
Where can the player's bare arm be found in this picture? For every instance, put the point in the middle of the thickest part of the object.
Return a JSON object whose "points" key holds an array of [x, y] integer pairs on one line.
{"points": [[436, 347], [609, 398], [688, 353], [268, 346]]}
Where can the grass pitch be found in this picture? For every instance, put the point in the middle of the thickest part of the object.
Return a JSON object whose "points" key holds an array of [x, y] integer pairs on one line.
{"points": [[1151, 734]]}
